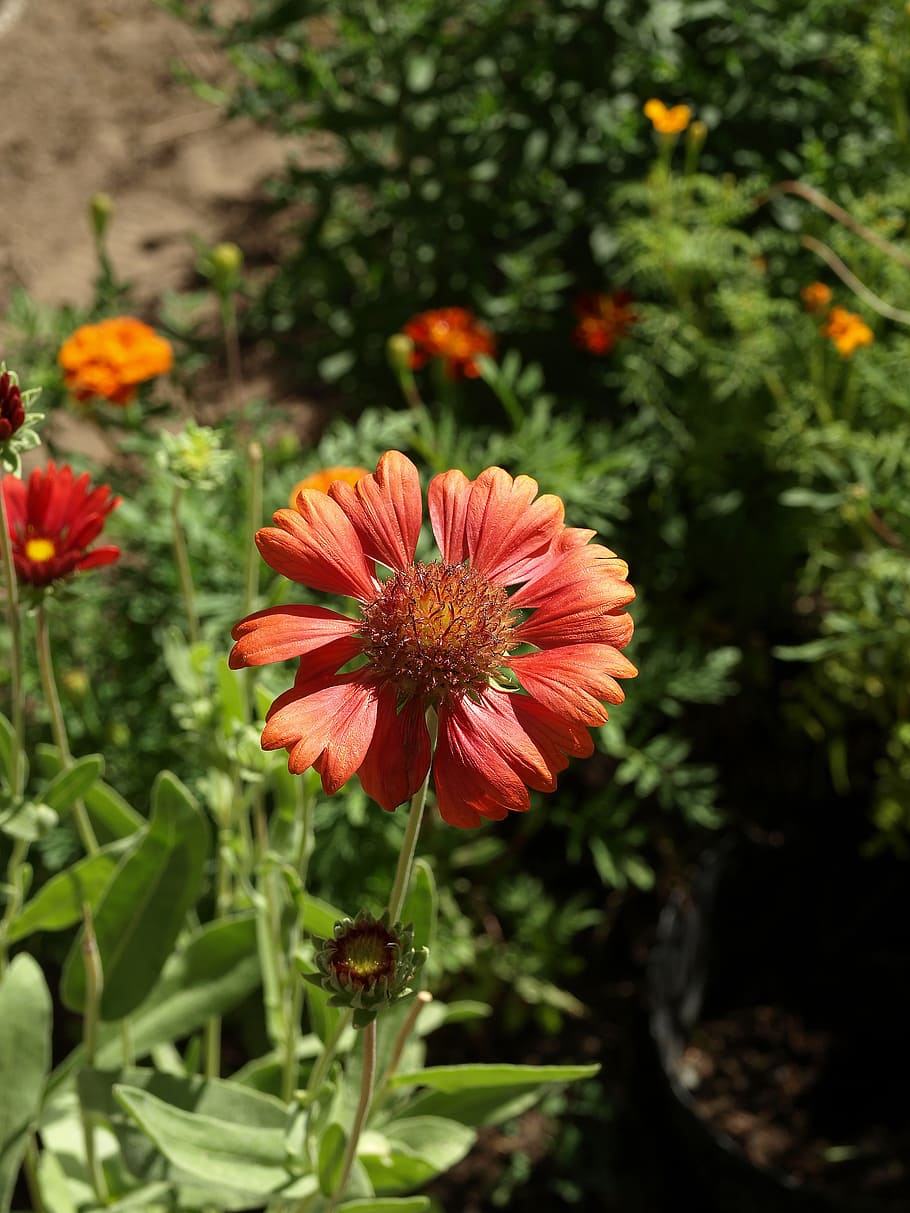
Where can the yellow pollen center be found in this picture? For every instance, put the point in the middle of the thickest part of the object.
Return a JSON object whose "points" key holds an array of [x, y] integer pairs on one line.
{"points": [[438, 629], [39, 550], [365, 955]]}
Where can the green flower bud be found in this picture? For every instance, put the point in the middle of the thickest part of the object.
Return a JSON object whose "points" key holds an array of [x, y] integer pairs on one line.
{"points": [[399, 349], [367, 965], [100, 210], [194, 456]]}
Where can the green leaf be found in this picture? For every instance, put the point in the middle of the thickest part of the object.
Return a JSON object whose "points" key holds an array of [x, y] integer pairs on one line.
{"points": [[27, 821], [145, 904], [483, 1094], [73, 782], [421, 905], [387, 1204], [25, 1056], [58, 904], [250, 1158], [323, 1018], [216, 969], [8, 755], [218, 1098], [111, 816], [331, 1158], [318, 917], [412, 1152]]}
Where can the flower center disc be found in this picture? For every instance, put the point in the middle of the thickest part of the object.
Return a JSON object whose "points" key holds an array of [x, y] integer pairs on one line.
{"points": [[438, 629], [39, 549], [365, 954]]}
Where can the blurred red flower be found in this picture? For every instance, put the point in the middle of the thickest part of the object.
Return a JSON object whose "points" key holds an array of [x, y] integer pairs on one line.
{"points": [[453, 334], [52, 521], [602, 320]]}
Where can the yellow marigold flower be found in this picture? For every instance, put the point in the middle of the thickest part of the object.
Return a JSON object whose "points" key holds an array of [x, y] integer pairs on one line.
{"points": [[816, 297], [666, 121], [847, 331], [111, 358], [324, 477]]}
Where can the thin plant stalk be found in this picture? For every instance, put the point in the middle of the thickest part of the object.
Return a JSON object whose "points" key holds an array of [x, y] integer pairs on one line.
{"points": [[58, 725], [409, 842], [184, 572], [94, 984], [228, 310], [294, 986], [14, 623], [360, 1116], [13, 897]]}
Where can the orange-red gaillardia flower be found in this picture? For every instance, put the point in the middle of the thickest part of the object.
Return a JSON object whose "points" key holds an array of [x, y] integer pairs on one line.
{"points": [[816, 297], [52, 521], [450, 333], [111, 358], [325, 477], [847, 331], [512, 638], [667, 121], [602, 320]]}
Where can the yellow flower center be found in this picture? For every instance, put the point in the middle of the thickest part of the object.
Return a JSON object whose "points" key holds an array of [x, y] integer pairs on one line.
{"points": [[438, 629], [39, 549]]}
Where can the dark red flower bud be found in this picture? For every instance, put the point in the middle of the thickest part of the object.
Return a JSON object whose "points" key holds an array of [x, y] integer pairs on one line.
{"points": [[12, 414]]}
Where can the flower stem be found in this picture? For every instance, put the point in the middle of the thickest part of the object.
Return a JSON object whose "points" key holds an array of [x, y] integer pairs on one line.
{"points": [[184, 572], [13, 896], [15, 633], [58, 727], [409, 842], [94, 984], [363, 1108]]}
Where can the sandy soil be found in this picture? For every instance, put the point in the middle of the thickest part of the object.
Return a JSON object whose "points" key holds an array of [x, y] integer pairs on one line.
{"points": [[90, 104]]}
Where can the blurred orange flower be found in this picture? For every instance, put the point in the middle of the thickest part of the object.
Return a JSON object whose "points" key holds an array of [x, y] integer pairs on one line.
{"points": [[453, 334], [816, 297], [602, 320], [666, 121], [847, 331], [324, 477], [111, 358]]}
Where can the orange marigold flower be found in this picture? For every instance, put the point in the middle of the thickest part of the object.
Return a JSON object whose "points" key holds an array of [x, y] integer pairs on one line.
{"points": [[513, 638], [602, 320], [847, 331], [12, 411], [52, 521], [666, 121], [111, 358], [816, 297], [453, 334], [324, 478]]}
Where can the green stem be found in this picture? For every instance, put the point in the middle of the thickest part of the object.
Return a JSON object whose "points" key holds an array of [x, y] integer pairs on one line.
{"points": [[360, 1116], [294, 991], [58, 726], [409, 842], [184, 572], [14, 896], [231, 347], [30, 1165], [94, 984], [327, 1056], [253, 522], [15, 632]]}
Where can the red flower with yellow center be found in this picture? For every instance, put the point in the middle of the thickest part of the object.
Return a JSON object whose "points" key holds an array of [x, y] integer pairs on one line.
{"points": [[602, 320], [111, 358], [450, 333], [52, 521], [847, 331], [325, 477], [513, 638]]}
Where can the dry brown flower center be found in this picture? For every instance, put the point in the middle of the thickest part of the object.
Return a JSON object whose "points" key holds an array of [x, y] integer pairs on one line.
{"points": [[438, 629]]}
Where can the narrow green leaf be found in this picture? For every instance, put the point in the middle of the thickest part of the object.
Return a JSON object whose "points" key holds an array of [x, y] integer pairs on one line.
{"points": [[387, 1204], [331, 1158], [8, 754], [72, 783], [319, 917], [323, 1018], [58, 904], [145, 904], [249, 1158], [231, 698], [25, 1055], [420, 907], [463, 1078]]}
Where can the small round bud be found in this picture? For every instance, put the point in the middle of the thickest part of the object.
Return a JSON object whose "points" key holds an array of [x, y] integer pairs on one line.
{"points": [[12, 410], [399, 350], [100, 210], [226, 262], [367, 965]]}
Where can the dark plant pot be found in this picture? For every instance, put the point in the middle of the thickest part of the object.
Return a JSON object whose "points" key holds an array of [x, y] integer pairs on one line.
{"points": [[780, 1010]]}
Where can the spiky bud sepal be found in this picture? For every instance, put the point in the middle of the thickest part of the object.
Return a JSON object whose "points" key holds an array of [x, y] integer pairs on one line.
{"points": [[367, 965]]}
